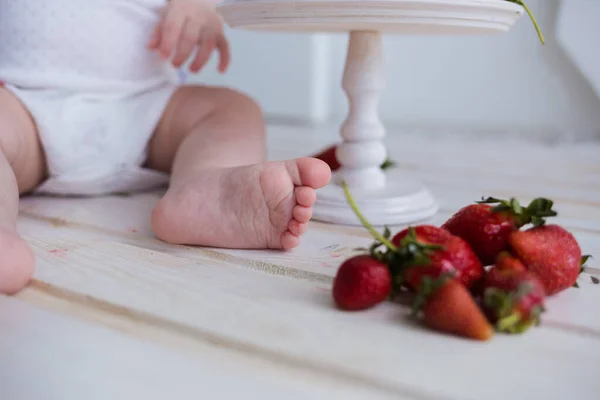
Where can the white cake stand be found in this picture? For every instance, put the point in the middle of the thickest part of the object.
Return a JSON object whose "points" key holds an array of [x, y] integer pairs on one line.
{"points": [[385, 197]]}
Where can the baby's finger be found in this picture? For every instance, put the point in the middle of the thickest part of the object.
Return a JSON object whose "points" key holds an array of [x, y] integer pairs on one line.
{"points": [[171, 31], [155, 38], [224, 53], [188, 40], [203, 54]]}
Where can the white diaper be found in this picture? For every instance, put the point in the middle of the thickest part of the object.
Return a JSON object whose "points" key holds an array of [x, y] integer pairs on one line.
{"points": [[96, 144], [94, 90]]}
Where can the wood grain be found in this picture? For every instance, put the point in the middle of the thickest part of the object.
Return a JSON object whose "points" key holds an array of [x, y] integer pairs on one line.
{"points": [[66, 358]]}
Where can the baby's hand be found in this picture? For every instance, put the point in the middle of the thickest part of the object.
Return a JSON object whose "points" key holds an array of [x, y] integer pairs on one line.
{"points": [[187, 25]]}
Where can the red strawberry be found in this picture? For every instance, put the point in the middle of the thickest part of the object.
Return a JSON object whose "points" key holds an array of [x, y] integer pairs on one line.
{"points": [[447, 306], [430, 251], [361, 282], [551, 253], [328, 155], [506, 261], [512, 299], [488, 228], [429, 234]]}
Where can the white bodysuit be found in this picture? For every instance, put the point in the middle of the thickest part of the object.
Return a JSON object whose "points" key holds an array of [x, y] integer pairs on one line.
{"points": [[96, 93]]}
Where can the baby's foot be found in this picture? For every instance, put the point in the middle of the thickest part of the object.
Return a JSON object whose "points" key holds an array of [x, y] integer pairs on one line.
{"points": [[251, 207], [16, 261]]}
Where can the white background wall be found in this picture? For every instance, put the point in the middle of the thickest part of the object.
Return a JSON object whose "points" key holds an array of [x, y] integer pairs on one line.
{"points": [[505, 82], [496, 82]]}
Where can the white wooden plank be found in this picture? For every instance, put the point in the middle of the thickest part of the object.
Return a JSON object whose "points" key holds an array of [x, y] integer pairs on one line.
{"points": [[572, 203], [46, 356], [321, 251], [295, 319]]}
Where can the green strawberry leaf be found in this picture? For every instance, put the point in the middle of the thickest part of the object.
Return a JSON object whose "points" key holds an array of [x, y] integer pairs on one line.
{"points": [[386, 232], [516, 206], [499, 301], [387, 164], [489, 200], [510, 323], [535, 213], [584, 260]]}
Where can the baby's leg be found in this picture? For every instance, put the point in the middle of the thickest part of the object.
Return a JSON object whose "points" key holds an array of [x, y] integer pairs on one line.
{"points": [[22, 168], [223, 193]]}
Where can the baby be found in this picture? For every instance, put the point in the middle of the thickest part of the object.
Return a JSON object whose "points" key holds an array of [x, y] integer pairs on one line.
{"points": [[89, 105]]}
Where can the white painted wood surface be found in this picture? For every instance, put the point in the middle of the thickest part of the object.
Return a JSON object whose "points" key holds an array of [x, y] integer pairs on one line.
{"points": [[110, 303]]}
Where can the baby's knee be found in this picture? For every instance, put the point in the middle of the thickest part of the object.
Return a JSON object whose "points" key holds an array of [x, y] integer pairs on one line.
{"points": [[243, 106]]}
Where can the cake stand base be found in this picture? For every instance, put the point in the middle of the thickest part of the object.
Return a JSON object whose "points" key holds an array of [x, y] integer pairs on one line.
{"points": [[400, 201]]}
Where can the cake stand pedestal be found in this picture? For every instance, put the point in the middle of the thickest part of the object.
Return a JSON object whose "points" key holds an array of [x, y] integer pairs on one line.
{"points": [[384, 197]]}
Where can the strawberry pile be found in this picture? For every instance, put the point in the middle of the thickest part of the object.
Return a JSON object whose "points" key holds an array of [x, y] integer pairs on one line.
{"points": [[488, 269]]}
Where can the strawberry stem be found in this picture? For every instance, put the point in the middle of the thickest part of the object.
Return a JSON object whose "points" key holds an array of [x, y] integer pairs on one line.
{"points": [[535, 24], [364, 221]]}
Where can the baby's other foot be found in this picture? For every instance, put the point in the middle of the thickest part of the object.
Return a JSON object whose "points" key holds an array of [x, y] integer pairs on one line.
{"points": [[250, 207], [16, 261]]}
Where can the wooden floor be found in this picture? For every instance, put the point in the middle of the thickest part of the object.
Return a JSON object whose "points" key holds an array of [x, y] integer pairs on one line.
{"points": [[114, 313]]}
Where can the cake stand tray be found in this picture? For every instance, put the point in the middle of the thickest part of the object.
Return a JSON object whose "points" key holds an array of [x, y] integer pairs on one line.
{"points": [[384, 197]]}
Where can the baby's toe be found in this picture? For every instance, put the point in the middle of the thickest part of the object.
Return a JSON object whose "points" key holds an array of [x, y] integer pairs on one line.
{"points": [[302, 214], [306, 196], [311, 172], [297, 228], [16, 264], [289, 240]]}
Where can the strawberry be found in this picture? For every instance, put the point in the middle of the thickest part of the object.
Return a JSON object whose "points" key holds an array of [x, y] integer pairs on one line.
{"points": [[487, 228], [430, 251], [429, 234], [513, 299], [447, 306], [328, 155], [551, 253], [361, 282], [506, 261]]}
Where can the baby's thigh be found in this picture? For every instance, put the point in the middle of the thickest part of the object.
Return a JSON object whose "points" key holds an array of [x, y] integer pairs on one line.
{"points": [[20, 143], [211, 111]]}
